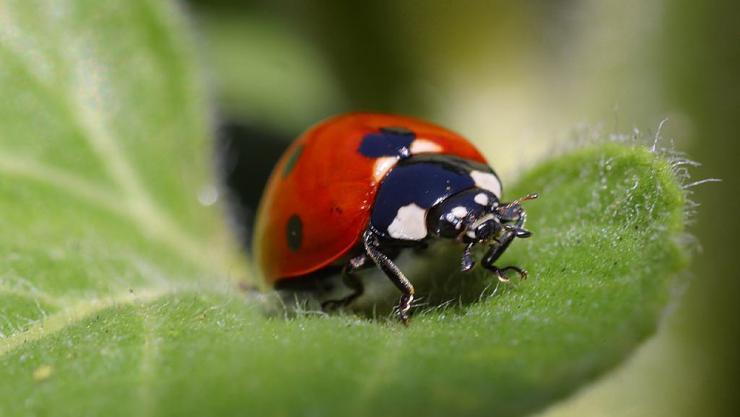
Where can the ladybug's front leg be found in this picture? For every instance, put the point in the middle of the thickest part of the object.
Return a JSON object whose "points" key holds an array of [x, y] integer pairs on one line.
{"points": [[392, 272], [495, 252]]}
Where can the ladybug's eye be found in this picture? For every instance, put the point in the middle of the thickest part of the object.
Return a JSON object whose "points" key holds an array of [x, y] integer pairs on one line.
{"points": [[487, 230]]}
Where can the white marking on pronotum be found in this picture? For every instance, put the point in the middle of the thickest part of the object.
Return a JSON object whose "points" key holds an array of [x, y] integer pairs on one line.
{"points": [[424, 146], [382, 166], [481, 198], [409, 224], [487, 181], [459, 212]]}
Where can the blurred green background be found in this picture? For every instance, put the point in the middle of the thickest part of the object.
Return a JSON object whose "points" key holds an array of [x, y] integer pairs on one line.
{"points": [[520, 79]]}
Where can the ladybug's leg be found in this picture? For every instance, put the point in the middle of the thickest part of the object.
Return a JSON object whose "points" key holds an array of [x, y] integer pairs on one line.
{"points": [[467, 262], [393, 273], [495, 252], [350, 279]]}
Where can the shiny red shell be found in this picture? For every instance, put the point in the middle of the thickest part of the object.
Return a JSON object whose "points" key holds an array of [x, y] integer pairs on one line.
{"points": [[326, 188]]}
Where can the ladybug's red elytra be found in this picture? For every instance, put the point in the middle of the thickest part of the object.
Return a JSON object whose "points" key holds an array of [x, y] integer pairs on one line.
{"points": [[354, 189]]}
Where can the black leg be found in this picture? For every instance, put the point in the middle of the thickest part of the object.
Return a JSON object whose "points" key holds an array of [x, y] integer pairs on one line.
{"points": [[495, 252], [393, 273], [467, 263], [498, 249], [350, 279]]}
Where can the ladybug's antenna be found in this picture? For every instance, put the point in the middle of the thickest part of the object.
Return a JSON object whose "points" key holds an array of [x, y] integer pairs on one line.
{"points": [[513, 210], [519, 201]]}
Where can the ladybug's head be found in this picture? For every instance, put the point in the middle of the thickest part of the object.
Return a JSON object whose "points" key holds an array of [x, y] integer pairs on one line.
{"points": [[475, 216], [512, 216]]}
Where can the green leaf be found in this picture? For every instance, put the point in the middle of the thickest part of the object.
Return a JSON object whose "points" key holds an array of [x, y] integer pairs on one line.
{"points": [[114, 297]]}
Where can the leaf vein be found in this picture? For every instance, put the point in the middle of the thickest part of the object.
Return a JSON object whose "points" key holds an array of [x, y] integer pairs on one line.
{"points": [[82, 105], [57, 322]]}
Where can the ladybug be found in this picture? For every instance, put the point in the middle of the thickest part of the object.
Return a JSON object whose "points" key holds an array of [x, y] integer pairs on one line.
{"points": [[354, 190]]}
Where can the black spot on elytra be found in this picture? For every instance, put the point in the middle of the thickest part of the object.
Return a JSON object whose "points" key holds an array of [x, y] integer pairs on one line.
{"points": [[389, 141], [294, 232], [292, 159]]}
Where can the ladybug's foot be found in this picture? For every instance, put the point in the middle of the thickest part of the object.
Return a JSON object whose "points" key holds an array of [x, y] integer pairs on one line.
{"points": [[501, 273], [404, 306]]}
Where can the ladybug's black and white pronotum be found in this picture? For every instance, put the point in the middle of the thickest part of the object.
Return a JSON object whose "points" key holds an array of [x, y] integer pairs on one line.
{"points": [[355, 189]]}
